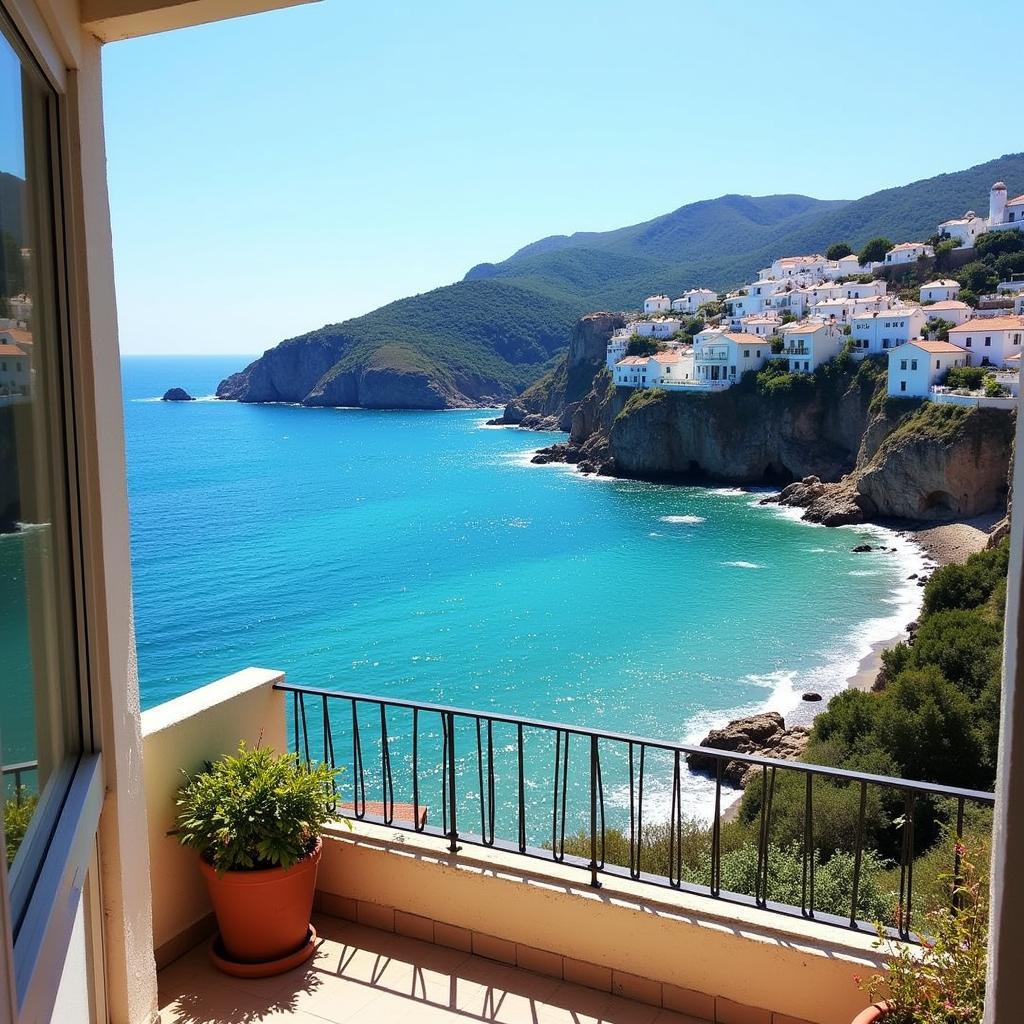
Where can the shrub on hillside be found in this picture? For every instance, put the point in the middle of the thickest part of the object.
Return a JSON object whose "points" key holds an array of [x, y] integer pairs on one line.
{"points": [[969, 585], [639, 346], [837, 251], [997, 243], [978, 277], [874, 251]]}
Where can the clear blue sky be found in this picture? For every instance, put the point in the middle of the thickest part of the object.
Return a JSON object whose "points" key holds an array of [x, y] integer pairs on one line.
{"points": [[275, 173]]}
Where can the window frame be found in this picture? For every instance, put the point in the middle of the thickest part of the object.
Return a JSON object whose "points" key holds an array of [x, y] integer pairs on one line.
{"points": [[38, 914]]}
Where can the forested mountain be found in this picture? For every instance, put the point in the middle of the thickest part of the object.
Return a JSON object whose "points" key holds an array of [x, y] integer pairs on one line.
{"points": [[486, 337]]}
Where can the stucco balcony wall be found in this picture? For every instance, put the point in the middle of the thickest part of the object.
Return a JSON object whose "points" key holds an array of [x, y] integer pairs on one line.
{"points": [[179, 736]]}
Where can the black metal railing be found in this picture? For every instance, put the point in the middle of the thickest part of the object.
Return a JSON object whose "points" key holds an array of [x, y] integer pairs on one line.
{"points": [[455, 750], [16, 773]]}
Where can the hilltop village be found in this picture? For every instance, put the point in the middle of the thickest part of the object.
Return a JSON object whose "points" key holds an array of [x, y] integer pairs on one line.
{"points": [[945, 340]]}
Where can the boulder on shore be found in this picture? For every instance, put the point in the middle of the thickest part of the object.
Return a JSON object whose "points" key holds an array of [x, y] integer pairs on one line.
{"points": [[763, 735], [177, 395]]}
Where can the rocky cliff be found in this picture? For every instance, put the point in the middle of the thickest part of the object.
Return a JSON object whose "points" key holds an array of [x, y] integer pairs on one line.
{"points": [[549, 403], [920, 462], [853, 455], [751, 433]]}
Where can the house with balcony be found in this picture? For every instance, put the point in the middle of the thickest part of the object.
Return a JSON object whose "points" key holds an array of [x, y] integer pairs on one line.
{"points": [[436, 905], [917, 366], [989, 341], [721, 359], [810, 343]]}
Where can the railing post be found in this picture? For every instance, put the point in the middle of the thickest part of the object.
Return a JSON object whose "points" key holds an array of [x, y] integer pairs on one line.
{"points": [[593, 811], [453, 835]]}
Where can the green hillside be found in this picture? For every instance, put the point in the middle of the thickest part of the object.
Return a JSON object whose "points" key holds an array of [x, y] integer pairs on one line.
{"points": [[723, 242], [505, 324]]}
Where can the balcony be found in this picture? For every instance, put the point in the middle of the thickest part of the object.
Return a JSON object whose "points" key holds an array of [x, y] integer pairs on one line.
{"points": [[802, 350], [464, 889]]}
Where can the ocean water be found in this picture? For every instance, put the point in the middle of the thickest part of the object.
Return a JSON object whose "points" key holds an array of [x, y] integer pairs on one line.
{"points": [[421, 555]]}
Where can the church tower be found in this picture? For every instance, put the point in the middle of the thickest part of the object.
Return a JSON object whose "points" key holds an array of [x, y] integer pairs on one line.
{"points": [[997, 204]]}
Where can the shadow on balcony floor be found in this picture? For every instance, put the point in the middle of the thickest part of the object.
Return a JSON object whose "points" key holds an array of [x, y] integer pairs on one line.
{"points": [[371, 977]]}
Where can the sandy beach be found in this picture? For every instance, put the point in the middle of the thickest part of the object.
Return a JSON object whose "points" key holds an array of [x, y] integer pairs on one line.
{"points": [[950, 542]]}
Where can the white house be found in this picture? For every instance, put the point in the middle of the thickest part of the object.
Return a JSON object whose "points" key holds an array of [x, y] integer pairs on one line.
{"points": [[796, 266], [668, 368], [864, 289], [907, 252], [726, 357], [763, 324], [690, 301], [657, 304], [952, 310], [664, 327], [658, 370], [630, 372], [811, 343], [940, 290], [914, 368], [989, 341], [15, 370], [847, 266], [877, 332], [964, 229]]}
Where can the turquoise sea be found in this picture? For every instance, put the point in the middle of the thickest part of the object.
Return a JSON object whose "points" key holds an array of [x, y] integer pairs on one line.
{"points": [[420, 555]]}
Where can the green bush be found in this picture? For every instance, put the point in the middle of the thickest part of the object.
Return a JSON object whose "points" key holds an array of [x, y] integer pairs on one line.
{"points": [[939, 328], [833, 875], [978, 277], [18, 813], [944, 981], [874, 251], [971, 378], [997, 243], [256, 809], [993, 389], [969, 585], [640, 346], [837, 251]]}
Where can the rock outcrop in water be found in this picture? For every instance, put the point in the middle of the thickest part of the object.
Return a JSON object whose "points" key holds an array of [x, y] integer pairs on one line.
{"points": [[177, 395], [763, 735]]}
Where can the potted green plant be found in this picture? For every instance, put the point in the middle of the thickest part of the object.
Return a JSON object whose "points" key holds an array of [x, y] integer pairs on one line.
{"points": [[256, 817], [942, 981]]}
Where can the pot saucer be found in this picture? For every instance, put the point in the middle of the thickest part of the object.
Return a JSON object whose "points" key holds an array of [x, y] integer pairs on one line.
{"points": [[266, 969]]}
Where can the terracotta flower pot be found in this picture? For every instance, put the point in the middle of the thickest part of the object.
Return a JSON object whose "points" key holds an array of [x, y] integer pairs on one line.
{"points": [[264, 916], [874, 1014]]}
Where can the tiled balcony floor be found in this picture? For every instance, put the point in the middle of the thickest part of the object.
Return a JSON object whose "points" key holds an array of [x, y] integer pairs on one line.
{"points": [[372, 977]]}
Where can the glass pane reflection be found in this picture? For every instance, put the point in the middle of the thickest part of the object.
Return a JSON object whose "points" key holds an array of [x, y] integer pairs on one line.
{"points": [[38, 677]]}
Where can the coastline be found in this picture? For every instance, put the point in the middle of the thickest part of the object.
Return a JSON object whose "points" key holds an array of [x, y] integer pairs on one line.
{"points": [[942, 545]]}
